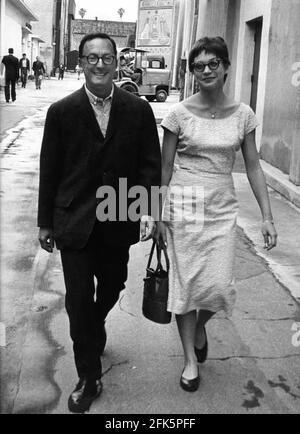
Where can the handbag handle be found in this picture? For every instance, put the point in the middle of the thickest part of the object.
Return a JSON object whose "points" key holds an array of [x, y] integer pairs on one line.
{"points": [[158, 252]]}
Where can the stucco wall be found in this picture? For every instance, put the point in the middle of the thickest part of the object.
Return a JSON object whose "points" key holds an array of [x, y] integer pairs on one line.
{"points": [[281, 94], [251, 10], [214, 23], [232, 30], [43, 9], [14, 20]]}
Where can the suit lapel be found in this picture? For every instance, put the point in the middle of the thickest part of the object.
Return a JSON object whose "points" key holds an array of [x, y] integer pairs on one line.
{"points": [[87, 114], [115, 117]]}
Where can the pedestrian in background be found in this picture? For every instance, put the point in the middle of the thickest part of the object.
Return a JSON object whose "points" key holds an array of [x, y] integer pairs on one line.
{"points": [[205, 131], [78, 70], [11, 64], [97, 136], [24, 65], [61, 71], [39, 71]]}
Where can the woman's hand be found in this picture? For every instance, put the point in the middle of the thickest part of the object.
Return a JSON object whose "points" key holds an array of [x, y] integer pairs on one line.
{"points": [[269, 233], [160, 234]]}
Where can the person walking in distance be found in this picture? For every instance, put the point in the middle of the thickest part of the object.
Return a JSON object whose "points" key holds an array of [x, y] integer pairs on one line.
{"points": [[39, 71], [61, 71], [205, 131], [78, 70], [11, 64], [24, 65], [96, 137]]}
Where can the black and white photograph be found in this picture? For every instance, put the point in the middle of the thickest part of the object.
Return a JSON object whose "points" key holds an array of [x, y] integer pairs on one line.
{"points": [[150, 210]]}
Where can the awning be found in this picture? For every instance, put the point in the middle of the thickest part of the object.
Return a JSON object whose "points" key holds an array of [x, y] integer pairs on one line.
{"points": [[37, 38], [26, 11], [26, 30]]}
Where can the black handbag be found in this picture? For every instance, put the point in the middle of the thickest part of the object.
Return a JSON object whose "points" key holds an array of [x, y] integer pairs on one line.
{"points": [[156, 289]]}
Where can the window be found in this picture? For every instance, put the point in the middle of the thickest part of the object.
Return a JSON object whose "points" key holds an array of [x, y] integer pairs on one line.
{"points": [[155, 64]]}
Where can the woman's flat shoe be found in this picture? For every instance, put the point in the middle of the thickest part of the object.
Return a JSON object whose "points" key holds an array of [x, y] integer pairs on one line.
{"points": [[190, 385], [201, 354]]}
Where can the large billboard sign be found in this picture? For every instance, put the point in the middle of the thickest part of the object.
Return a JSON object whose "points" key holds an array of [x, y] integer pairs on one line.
{"points": [[155, 27]]}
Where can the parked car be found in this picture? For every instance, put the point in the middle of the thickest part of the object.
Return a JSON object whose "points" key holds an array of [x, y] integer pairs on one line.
{"points": [[155, 77]]}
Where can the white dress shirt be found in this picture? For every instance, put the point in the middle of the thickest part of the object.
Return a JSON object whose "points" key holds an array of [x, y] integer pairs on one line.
{"points": [[101, 108]]}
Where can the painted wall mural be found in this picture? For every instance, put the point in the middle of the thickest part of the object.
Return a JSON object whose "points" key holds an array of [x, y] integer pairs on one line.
{"points": [[155, 27], [156, 3]]}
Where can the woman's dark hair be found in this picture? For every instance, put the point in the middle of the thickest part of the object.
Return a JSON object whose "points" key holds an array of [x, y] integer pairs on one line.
{"points": [[215, 45], [91, 36]]}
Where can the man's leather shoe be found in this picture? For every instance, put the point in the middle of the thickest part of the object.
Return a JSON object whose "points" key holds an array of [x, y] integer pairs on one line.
{"points": [[190, 385], [103, 338], [201, 353], [84, 394]]}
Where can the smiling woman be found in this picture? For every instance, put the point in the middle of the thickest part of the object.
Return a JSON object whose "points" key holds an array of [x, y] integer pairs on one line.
{"points": [[205, 131]]}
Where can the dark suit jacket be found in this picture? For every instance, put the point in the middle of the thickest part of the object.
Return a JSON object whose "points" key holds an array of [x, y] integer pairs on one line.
{"points": [[76, 160], [38, 67], [11, 67], [27, 64]]}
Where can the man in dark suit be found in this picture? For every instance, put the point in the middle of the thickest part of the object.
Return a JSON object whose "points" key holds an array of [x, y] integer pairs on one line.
{"points": [[98, 137], [11, 74], [39, 71], [24, 65]]}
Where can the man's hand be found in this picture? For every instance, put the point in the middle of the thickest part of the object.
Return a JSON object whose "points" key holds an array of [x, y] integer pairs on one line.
{"points": [[46, 239], [147, 227]]}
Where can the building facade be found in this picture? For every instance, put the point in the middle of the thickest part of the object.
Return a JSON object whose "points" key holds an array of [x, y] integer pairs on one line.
{"points": [[43, 29], [121, 31], [64, 14], [264, 45], [54, 30], [16, 28]]}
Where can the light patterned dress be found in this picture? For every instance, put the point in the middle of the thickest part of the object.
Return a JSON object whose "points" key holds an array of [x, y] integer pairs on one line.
{"points": [[201, 209]]}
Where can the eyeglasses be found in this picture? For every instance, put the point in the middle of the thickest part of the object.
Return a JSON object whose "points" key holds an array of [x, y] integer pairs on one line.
{"points": [[93, 59], [213, 64]]}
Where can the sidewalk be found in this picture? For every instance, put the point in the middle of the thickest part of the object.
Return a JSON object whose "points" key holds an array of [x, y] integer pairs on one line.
{"points": [[29, 100], [284, 260]]}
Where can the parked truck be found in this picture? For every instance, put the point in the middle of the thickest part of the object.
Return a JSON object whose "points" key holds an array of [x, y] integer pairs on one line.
{"points": [[154, 81]]}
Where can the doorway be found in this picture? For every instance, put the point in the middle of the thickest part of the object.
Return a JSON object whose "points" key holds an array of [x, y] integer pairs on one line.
{"points": [[256, 29]]}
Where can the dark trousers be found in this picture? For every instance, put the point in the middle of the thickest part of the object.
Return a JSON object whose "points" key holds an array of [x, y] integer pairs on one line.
{"points": [[10, 89], [88, 305], [24, 72], [38, 80]]}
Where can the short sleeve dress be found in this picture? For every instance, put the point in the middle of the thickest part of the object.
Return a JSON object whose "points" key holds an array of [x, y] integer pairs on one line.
{"points": [[200, 209]]}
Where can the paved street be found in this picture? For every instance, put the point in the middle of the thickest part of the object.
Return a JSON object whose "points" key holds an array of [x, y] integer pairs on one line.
{"points": [[253, 363]]}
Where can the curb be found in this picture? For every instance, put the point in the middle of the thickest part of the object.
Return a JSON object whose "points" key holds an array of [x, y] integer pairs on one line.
{"points": [[280, 182]]}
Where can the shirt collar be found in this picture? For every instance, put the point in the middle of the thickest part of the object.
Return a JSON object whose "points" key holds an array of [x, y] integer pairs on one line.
{"points": [[95, 99]]}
